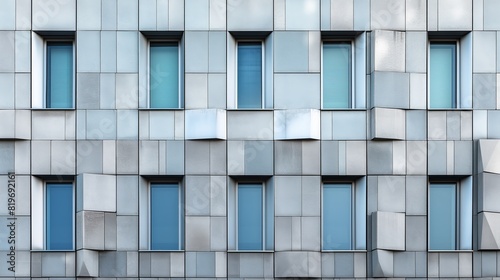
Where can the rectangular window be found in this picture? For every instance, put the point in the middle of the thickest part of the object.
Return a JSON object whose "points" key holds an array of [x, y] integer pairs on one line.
{"points": [[164, 75], [337, 217], [337, 75], [443, 75], [59, 74], [443, 216], [250, 76], [165, 215], [250, 216], [59, 213]]}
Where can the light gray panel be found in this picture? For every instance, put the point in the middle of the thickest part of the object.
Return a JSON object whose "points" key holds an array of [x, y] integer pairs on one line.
{"points": [[488, 264], [310, 231], [145, 263], [465, 265], [89, 51], [127, 14], [416, 125], [23, 14], [159, 264], [484, 91], [108, 51], [463, 157], [196, 14], [127, 50], [454, 15], [391, 194], [448, 265], [196, 52], [50, 15], [388, 48], [217, 51], [40, 161], [217, 91], [344, 265], [342, 14], [311, 158], [53, 264], [388, 14], [91, 227], [297, 91], [112, 264], [89, 157], [258, 157], [62, 154], [362, 14], [329, 158], [126, 91], [327, 264], [107, 91], [436, 152], [355, 158], [250, 125], [488, 193], [291, 44], [288, 196], [88, 15], [110, 231], [196, 91], [23, 50], [390, 89], [197, 195], [22, 91], [416, 50], [127, 233], [283, 233], [251, 265], [218, 234], [418, 91], [379, 157], [493, 127], [7, 51], [250, 15], [491, 19], [127, 195], [484, 52], [404, 264], [416, 233], [7, 97], [127, 157], [416, 195], [8, 15], [147, 14], [197, 157], [127, 124], [302, 15], [109, 9], [101, 124], [88, 91], [325, 11], [217, 158], [453, 125], [197, 234], [175, 157], [349, 125], [436, 125], [416, 13], [297, 264], [288, 157]]}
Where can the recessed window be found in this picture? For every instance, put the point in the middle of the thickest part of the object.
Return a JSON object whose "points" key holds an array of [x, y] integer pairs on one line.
{"points": [[59, 74], [164, 75], [165, 216], [337, 75], [443, 75], [250, 75], [250, 216], [59, 213]]}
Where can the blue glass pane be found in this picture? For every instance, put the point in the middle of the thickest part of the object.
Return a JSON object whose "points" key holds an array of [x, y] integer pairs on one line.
{"points": [[337, 216], [250, 75], [165, 217], [442, 215], [59, 219], [164, 75], [337, 72], [443, 75], [250, 217], [59, 83]]}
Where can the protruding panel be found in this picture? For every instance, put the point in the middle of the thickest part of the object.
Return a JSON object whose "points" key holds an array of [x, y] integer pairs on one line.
{"points": [[87, 263], [297, 264], [297, 124], [489, 153], [96, 192], [388, 231], [382, 263], [205, 124], [489, 231], [388, 124], [254, 15]]}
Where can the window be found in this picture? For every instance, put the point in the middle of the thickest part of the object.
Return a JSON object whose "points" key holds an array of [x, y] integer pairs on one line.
{"points": [[59, 74], [344, 215], [59, 213], [443, 74], [165, 216], [164, 78], [250, 216], [450, 215], [250, 58], [337, 74]]}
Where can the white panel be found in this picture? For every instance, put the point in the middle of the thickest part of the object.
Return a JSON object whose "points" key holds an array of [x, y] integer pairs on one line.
{"points": [[268, 72], [143, 214], [466, 214], [231, 72], [205, 124], [37, 232], [361, 214], [297, 124], [37, 52], [466, 71], [143, 72], [360, 71], [217, 14]]}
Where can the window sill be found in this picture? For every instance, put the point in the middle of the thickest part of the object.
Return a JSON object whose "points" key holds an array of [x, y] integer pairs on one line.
{"points": [[52, 251], [344, 251], [450, 109], [160, 251], [450, 251], [250, 109], [161, 109], [53, 109], [250, 251], [343, 109]]}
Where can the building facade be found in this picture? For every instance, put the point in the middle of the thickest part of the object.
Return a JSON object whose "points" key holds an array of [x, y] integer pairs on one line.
{"points": [[159, 139]]}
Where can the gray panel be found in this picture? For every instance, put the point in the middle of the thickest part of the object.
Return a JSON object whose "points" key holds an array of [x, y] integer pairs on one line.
{"points": [[196, 53], [48, 15], [379, 157], [127, 124], [436, 157], [87, 95], [127, 14], [7, 83], [127, 54], [127, 229], [159, 264], [251, 265], [291, 44], [390, 89], [454, 14], [416, 50], [205, 264], [416, 233], [388, 48], [108, 51], [217, 51], [416, 13], [127, 91], [288, 157], [416, 125], [416, 195], [217, 90], [197, 157], [484, 51], [196, 14], [484, 91], [53, 264], [109, 9], [491, 19], [7, 51], [404, 264], [197, 234], [297, 91], [463, 157], [388, 14], [197, 202], [251, 15], [448, 264], [416, 157], [302, 14], [342, 15], [344, 265], [7, 156], [391, 193], [88, 46], [88, 15], [127, 157], [493, 127], [288, 196], [250, 125], [329, 157], [113, 264], [258, 157], [127, 193], [349, 125]]}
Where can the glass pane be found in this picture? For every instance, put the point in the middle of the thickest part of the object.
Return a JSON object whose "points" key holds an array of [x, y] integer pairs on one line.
{"points": [[250, 217], [250, 75], [442, 216], [443, 75], [337, 72], [59, 83], [59, 219], [165, 217], [164, 75], [337, 207]]}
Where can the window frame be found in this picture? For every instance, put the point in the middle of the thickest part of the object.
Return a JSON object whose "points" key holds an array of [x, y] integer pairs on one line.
{"points": [[45, 74], [457, 215], [352, 95], [45, 219], [181, 223], [457, 94], [263, 218], [179, 79], [263, 74]]}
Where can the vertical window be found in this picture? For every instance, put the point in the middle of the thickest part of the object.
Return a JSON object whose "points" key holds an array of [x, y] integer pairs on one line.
{"points": [[164, 75], [249, 79], [59, 75], [59, 216], [443, 75], [250, 216], [337, 216], [443, 217], [165, 223], [337, 75]]}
